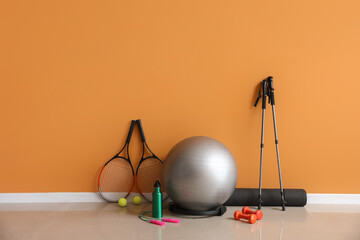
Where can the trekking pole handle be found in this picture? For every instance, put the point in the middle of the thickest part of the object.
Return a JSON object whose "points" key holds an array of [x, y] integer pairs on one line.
{"points": [[264, 88], [271, 90]]}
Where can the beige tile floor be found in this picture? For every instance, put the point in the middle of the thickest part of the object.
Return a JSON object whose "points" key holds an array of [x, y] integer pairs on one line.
{"points": [[92, 221]]}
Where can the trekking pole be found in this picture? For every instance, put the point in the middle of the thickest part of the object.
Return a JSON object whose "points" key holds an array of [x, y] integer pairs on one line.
{"points": [[270, 93], [263, 95]]}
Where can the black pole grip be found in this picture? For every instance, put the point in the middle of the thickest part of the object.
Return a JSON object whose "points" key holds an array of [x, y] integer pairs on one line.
{"points": [[272, 99], [264, 94], [141, 130], [271, 90], [270, 82], [133, 122]]}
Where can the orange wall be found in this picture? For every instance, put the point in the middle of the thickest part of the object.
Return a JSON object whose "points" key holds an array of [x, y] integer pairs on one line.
{"points": [[74, 73]]}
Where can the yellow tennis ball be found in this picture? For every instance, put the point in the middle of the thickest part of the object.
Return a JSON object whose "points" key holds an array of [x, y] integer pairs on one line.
{"points": [[122, 202], [137, 200]]}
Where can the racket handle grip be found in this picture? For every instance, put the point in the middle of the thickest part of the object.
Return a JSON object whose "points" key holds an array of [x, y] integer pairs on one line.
{"points": [[133, 122], [171, 220], [157, 222], [141, 130]]}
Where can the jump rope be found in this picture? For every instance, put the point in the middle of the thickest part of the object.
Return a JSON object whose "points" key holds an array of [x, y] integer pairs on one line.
{"points": [[157, 221], [156, 213]]}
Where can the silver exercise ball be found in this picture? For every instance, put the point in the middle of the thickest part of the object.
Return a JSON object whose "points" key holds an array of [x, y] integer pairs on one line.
{"points": [[200, 173]]}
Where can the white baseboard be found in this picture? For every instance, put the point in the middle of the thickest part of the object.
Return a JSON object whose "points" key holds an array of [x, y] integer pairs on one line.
{"points": [[319, 198], [61, 197], [57, 197], [50, 197]]}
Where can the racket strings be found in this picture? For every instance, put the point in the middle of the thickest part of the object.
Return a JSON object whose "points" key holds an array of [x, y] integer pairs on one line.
{"points": [[116, 179], [148, 172]]}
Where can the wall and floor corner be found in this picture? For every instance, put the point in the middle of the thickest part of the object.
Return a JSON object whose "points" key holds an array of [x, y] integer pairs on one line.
{"points": [[73, 75]]}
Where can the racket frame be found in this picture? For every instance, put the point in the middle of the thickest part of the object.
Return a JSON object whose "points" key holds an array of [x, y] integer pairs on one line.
{"points": [[117, 156], [145, 146]]}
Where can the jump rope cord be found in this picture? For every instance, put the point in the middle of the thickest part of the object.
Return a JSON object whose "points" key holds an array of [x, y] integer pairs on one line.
{"points": [[158, 221], [145, 218]]}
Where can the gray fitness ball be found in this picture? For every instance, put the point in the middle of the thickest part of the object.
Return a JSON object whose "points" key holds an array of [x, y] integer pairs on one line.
{"points": [[200, 173]]}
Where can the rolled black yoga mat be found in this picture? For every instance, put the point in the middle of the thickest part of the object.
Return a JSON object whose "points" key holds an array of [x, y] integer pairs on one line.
{"points": [[270, 197]]}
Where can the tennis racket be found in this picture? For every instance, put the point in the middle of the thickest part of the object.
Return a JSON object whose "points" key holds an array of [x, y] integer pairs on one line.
{"points": [[116, 178], [148, 170]]}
